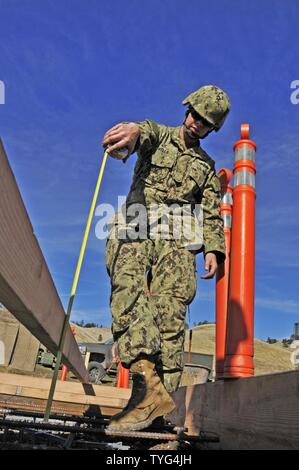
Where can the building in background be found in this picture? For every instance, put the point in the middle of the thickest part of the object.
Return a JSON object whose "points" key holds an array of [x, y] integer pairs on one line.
{"points": [[18, 347], [295, 346]]}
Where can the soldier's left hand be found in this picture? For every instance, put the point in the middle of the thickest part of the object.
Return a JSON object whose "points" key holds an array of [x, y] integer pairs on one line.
{"points": [[210, 266]]}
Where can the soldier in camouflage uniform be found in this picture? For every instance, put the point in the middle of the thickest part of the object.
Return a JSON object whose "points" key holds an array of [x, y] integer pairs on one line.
{"points": [[149, 328]]}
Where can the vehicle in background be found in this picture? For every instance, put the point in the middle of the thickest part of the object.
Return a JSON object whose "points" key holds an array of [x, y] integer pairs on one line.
{"points": [[98, 359], [46, 358], [198, 367]]}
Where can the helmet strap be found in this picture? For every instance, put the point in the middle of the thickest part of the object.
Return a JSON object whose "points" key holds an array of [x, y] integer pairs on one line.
{"points": [[207, 133], [189, 133]]}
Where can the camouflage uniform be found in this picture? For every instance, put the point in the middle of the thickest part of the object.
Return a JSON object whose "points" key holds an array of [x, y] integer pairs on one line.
{"points": [[166, 172]]}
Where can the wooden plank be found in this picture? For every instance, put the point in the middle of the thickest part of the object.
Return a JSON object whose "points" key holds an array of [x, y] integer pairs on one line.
{"points": [[38, 405], [251, 413], [26, 287], [65, 387], [31, 392], [87, 357]]}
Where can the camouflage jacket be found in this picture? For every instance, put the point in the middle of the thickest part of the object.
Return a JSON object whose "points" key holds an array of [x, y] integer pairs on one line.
{"points": [[166, 172]]}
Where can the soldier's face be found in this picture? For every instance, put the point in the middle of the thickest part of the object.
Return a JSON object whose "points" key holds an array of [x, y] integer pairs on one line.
{"points": [[197, 127]]}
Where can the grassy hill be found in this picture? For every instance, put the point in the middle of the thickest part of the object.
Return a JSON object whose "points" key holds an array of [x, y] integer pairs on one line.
{"points": [[268, 358], [91, 335]]}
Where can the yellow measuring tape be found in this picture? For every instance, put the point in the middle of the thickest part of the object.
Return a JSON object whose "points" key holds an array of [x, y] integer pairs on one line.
{"points": [[73, 291]]}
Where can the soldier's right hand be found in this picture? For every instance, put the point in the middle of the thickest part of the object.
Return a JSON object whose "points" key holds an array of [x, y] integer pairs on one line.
{"points": [[120, 136]]}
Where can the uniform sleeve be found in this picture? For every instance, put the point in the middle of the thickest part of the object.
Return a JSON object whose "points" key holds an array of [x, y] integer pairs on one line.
{"points": [[213, 232], [149, 136]]}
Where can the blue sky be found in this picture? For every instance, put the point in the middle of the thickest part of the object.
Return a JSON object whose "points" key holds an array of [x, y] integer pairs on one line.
{"points": [[74, 68]]}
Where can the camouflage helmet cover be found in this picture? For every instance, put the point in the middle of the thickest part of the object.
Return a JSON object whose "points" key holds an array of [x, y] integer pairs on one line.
{"points": [[211, 103]]}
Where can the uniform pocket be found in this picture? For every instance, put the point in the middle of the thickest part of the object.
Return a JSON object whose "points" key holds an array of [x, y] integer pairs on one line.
{"points": [[189, 180], [160, 166], [163, 158], [198, 173], [181, 169]]}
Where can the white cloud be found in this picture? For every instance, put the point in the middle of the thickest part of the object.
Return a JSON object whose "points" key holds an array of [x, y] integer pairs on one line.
{"points": [[279, 154], [285, 306], [277, 215]]}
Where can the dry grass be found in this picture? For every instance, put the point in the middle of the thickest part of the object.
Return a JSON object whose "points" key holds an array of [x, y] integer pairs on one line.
{"points": [[91, 335], [40, 371], [268, 358]]}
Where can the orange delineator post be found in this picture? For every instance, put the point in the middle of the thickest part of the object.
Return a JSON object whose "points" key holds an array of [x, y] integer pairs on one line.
{"points": [[222, 276], [64, 370], [240, 322], [122, 376]]}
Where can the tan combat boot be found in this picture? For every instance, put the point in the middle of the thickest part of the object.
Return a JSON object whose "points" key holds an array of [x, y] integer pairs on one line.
{"points": [[149, 400]]}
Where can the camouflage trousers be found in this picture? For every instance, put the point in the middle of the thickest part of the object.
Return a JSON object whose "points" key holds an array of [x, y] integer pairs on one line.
{"points": [[151, 324]]}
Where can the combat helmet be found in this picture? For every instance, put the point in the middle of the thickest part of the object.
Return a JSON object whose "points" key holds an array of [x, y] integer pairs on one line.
{"points": [[211, 103]]}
